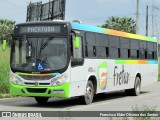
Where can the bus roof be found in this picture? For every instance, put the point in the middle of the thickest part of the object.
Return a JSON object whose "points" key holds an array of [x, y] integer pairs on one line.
{"points": [[84, 27]]}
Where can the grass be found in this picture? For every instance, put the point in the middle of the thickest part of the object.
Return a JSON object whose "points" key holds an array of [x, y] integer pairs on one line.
{"points": [[5, 96], [139, 110], [146, 109], [4, 70]]}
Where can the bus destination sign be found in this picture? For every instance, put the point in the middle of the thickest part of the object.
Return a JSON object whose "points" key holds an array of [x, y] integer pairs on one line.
{"points": [[39, 29]]}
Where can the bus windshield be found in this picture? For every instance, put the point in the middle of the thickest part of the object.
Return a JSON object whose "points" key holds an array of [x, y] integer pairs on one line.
{"points": [[39, 54]]}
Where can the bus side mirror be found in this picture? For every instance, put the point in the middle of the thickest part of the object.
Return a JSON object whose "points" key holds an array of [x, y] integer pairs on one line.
{"points": [[77, 52], [77, 61], [76, 42]]}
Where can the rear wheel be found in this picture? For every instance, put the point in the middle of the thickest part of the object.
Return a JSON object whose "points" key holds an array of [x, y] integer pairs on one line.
{"points": [[137, 88], [41, 100], [89, 94]]}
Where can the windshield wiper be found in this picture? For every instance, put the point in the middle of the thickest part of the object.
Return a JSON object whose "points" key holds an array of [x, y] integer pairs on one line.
{"points": [[45, 43], [25, 39]]}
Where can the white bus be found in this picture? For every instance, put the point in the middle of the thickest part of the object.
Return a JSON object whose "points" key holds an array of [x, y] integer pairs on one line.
{"points": [[68, 59]]}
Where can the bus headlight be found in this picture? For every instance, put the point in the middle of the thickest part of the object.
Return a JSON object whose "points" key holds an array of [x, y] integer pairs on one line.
{"points": [[14, 79], [58, 80]]}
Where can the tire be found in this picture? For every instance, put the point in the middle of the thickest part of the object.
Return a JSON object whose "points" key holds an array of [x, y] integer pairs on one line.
{"points": [[89, 94], [137, 88], [41, 100]]}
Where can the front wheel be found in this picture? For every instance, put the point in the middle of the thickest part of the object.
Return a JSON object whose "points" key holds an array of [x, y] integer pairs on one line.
{"points": [[89, 93], [41, 100]]}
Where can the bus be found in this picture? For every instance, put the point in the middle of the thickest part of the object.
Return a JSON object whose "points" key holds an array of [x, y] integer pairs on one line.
{"points": [[69, 59]]}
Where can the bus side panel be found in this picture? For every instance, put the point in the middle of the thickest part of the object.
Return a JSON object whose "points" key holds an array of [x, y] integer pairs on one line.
{"points": [[78, 81], [120, 75], [151, 75], [144, 74]]}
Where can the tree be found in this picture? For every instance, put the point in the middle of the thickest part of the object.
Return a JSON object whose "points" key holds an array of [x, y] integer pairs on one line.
{"points": [[125, 24], [6, 28]]}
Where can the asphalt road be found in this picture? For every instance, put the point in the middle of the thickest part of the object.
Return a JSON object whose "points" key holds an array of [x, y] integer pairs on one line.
{"points": [[117, 101]]}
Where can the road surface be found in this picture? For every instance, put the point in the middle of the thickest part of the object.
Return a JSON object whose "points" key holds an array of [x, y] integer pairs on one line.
{"points": [[116, 101]]}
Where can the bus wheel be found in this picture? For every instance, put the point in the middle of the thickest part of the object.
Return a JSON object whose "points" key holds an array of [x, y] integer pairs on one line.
{"points": [[41, 100], [137, 87], [89, 94]]}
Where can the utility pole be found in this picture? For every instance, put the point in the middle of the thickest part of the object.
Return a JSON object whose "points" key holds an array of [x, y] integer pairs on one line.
{"points": [[147, 21], [152, 18], [137, 17]]}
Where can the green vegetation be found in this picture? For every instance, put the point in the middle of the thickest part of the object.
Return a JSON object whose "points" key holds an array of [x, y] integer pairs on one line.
{"points": [[125, 24], [141, 110], [6, 28], [4, 70], [145, 109]]}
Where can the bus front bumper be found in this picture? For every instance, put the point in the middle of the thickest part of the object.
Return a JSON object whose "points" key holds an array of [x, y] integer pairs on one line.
{"points": [[40, 91]]}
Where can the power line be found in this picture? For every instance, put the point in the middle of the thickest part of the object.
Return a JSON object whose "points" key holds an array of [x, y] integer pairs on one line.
{"points": [[13, 4]]}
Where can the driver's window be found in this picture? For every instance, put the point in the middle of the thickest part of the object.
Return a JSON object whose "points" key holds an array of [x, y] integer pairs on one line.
{"points": [[77, 47]]}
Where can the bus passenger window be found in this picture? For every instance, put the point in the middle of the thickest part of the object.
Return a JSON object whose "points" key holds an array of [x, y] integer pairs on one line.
{"points": [[119, 53], [129, 53], [71, 45], [145, 54], [137, 53], [94, 51], [107, 52]]}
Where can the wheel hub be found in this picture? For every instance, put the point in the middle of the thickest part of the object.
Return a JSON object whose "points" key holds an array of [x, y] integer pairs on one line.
{"points": [[88, 92]]}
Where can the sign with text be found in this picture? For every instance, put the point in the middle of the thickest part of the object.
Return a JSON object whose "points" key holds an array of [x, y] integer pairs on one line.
{"points": [[40, 29]]}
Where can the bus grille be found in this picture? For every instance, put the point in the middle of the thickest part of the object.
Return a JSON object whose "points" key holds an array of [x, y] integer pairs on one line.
{"points": [[36, 77], [36, 90], [28, 83]]}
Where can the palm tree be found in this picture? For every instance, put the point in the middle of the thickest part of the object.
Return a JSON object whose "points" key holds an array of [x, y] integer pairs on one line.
{"points": [[124, 24]]}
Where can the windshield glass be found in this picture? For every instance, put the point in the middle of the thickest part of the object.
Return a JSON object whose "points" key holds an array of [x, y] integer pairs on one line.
{"points": [[39, 54]]}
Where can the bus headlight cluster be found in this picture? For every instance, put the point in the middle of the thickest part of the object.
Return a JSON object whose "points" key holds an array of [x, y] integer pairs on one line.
{"points": [[58, 80], [14, 79]]}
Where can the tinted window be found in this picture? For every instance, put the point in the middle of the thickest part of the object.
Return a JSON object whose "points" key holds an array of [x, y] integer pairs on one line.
{"points": [[155, 51], [113, 52], [143, 45], [134, 44], [150, 46], [134, 54], [142, 54], [89, 51], [124, 53], [113, 41], [155, 55], [90, 39], [124, 43], [101, 52], [149, 55], [155, 46], [101, 40]]}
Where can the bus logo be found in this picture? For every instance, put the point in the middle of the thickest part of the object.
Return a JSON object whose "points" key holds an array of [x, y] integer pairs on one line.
{"points": [[102, 74], [36, 83]]}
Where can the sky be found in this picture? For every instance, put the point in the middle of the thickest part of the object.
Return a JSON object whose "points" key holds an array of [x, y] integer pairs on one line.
{"points": [[91, 12]]}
